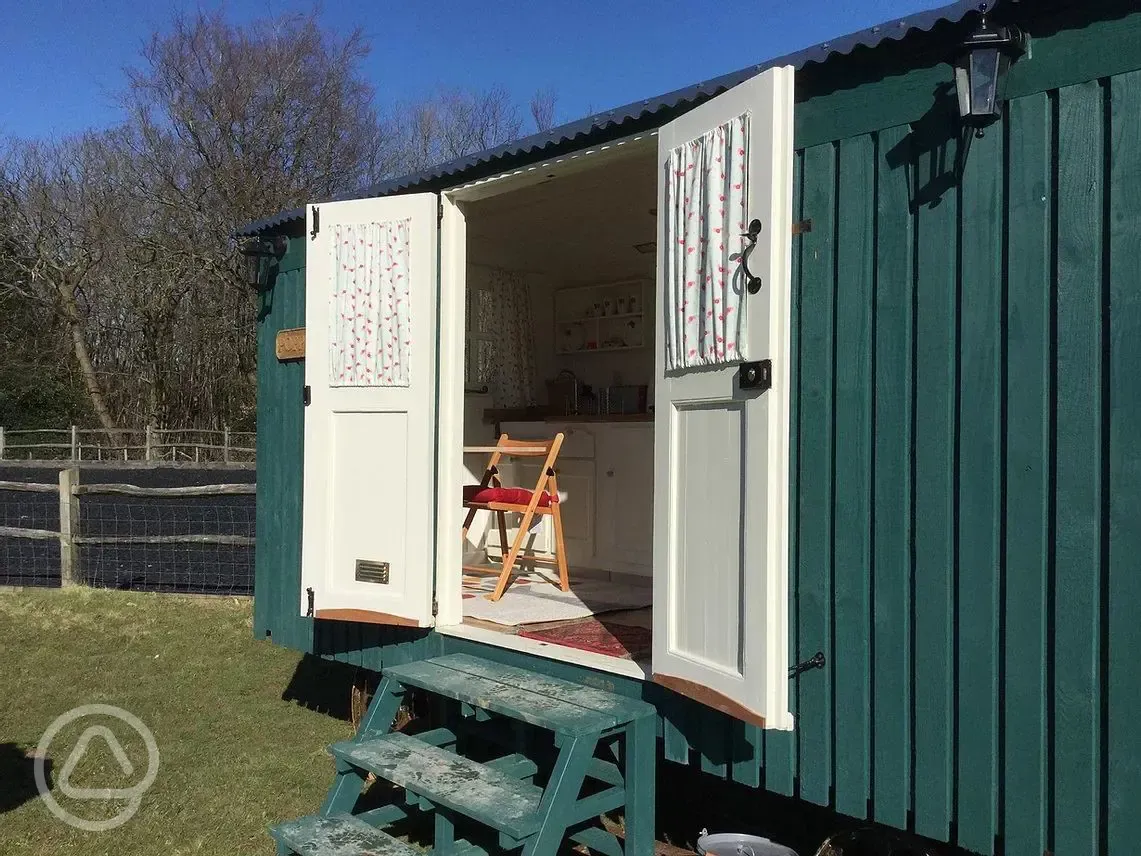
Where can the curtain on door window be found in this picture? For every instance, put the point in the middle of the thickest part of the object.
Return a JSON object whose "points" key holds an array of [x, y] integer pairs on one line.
{"points": [[370, 318], [501, 336], [706, 214]]}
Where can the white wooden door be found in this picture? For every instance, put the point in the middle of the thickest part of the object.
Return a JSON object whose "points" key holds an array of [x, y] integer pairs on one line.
{"points": [[370, 367], [721, 451]]}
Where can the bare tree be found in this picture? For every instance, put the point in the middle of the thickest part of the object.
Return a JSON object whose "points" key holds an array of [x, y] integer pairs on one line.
{"points": [[59, 214], [453, 123], [226, 125], [230, 123], [543, 109]]}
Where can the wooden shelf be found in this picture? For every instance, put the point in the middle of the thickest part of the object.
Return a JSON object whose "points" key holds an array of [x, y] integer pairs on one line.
{"points": [[573, 351], [587, 318]]}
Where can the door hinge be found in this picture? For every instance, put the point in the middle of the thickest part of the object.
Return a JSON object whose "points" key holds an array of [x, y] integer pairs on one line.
{"points": [[316, 223], [816, 661], [306, 395], [439, 210], [435, 606], [309, 608], [758, 376]]}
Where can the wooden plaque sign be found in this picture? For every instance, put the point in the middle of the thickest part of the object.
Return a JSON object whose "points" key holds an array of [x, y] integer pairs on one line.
{"points": [[290, 344]]}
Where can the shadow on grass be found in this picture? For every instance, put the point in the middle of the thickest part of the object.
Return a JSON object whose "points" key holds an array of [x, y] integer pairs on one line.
{"points": [[17, 777], [325, 686]]}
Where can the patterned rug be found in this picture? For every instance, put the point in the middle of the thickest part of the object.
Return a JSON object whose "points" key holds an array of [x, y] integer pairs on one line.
{"points": [[613, 640], [533, 599]]}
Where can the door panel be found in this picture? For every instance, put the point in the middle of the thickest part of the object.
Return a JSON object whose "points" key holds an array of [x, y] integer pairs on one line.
{"points": [[368, 513], [721, 451]]}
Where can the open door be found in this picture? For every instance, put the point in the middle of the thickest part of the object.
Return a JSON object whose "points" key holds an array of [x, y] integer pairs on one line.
{"points": [[722, 401], [370, 417]]}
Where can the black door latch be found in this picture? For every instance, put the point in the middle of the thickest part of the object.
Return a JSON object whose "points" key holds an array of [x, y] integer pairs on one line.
{"points": [[758, 376], [816, 661]]}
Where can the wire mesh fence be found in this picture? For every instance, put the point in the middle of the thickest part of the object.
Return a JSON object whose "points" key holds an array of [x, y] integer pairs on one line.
{"points": [[178, 445], [130, 529], [29, 561]]}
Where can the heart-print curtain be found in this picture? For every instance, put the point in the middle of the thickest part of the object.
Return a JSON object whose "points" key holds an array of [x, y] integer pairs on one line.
{"points": [[706, 211], [370, 318]]}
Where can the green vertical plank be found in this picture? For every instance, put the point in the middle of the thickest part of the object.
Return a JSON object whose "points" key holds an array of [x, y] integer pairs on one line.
{"points": [[1124, 584], [277, 411], [891, 669], [275, 494], [780, 746], [266, 485], [853, 443], [1028, 418], [814, 536], [291, 412], [980, 491], [1078, 466], [747, 747], [674, 710], [934, 476], [714, 736]]}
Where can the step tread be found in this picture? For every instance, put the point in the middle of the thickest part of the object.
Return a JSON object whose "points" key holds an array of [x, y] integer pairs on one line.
{"points": [[339, 835], [468, 787], [540, 700]]}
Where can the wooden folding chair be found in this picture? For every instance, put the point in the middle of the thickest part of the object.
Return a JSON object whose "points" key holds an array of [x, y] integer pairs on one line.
{"points": [[491, 495]]}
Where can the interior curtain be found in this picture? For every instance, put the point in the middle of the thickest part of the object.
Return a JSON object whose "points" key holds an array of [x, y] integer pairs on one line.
{"points": [[511, 376], [370, 320], [706, 211]]}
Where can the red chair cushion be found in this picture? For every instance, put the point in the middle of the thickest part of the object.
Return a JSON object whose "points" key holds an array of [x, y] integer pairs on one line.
{"points": [[511, 495]]}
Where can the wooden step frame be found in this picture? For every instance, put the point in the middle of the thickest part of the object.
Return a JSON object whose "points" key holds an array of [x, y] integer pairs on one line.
{"points": [[562, 812]]}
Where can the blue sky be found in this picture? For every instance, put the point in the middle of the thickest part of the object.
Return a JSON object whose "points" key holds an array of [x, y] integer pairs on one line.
{"points": [[62, 60]]}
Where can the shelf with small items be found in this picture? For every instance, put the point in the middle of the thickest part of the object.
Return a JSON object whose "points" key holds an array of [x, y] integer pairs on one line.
{"points": [[594, 318]]}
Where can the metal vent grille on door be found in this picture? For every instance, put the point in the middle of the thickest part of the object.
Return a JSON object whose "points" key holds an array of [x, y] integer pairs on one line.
{"points": [[372, 572]]}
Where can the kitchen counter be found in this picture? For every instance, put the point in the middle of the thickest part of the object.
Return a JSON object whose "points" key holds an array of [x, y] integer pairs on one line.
{"points": [[537, 415]]}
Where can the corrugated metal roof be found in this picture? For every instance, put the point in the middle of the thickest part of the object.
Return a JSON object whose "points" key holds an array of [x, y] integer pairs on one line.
{"points": [[636, 116]]}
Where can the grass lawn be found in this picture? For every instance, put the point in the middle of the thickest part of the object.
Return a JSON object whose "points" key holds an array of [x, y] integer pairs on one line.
{"points": [[234, 757]]}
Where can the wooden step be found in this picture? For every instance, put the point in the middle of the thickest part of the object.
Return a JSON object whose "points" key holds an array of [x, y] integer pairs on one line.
{"points": [[547, 702], [475, 790], [339, 835]]}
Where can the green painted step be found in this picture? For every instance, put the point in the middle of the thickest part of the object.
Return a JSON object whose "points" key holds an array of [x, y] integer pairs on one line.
{"points": [[550, 703], [338, 835], [475, 790]]}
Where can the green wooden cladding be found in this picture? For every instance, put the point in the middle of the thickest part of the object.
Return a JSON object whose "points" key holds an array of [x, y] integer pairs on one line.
{"points": [[966, 495]]}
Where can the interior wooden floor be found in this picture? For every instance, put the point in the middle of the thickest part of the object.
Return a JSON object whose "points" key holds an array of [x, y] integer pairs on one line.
{"points": [[626, 633]]}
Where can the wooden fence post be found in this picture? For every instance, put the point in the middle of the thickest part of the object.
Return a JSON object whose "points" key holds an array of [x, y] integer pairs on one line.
{"points": [[225, 444], [147, 443], [74, 443], [1, 442], [68, 526]]}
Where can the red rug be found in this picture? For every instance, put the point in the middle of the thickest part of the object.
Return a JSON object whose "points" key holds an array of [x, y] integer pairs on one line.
{"points": [[613, 640]]}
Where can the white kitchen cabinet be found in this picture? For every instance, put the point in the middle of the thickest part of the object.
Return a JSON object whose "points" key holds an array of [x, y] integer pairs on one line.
{"points": [[625, 472]]}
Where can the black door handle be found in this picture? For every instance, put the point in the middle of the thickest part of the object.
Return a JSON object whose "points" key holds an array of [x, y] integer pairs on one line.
{"points": [[752, 283]]}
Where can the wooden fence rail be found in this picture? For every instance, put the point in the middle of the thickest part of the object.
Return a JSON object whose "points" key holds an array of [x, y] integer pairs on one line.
{"points": [[70, 538], [139, 444]]}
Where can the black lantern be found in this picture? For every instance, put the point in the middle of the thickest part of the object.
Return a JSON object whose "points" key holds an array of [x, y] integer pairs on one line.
{"points": [[254, 251], [980, 71]]}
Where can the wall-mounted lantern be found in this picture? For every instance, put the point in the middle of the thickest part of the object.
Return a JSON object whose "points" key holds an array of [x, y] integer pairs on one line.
{"points": [[980, 71], [254, 250]]}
